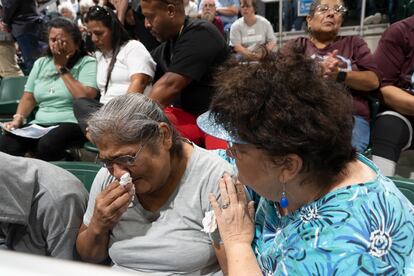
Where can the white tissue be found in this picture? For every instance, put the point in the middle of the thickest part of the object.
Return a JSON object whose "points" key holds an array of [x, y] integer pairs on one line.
{"points": [[125, 179], [209, 222]]}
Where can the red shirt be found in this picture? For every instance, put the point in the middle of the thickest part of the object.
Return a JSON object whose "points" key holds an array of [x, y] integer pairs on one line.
{"points": [[354, 55], [219, 24]]}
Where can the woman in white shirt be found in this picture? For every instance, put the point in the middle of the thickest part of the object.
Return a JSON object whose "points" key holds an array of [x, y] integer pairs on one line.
{"points": [[124, 65]]}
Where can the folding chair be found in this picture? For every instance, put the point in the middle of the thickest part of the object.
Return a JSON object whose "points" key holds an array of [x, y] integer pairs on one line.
{"points": [[11, 90]]}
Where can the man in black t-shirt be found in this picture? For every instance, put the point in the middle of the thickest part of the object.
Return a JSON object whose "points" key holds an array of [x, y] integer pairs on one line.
{"points": [[190, 51]]}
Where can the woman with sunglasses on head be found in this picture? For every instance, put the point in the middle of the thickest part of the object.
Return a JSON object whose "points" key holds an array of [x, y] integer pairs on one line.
{"points": [[66, 73], [154, 223], [345, 59], [124, 64], [318, 207]]}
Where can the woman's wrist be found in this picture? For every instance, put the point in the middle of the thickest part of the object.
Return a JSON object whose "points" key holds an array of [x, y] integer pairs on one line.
{"points": [[63, 70], [19, 118]]}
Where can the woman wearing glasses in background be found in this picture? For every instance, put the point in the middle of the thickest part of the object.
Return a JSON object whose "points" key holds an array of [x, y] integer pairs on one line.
{"points": [[345, 59], [160, 232], [319, 208], [124, 64]]}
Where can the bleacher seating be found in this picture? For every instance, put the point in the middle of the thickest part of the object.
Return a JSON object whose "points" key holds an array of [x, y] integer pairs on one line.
{"points": [[406, 186], [11, 90], [85, 171]]}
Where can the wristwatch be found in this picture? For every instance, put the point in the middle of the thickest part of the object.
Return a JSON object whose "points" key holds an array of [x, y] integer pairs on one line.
{"points": [[63, 70], [341, 77]]}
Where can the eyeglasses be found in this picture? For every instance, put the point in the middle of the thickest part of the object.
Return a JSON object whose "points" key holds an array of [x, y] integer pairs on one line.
{"points": [[209, 5], [337, 9], [124, 160], [231, 150]]}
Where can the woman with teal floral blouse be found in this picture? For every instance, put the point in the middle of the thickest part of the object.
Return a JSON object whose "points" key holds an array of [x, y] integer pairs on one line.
{"points": [[317, 207]]}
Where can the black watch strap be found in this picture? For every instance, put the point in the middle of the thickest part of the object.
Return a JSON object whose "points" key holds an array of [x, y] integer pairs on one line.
{"points": [[341, 77], [63, 70]]}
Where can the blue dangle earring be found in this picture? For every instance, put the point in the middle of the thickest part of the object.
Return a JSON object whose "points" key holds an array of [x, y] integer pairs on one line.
{"points": [[283, 200]]}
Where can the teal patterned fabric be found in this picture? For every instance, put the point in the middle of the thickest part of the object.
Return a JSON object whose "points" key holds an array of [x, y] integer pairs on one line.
{"points": [[363, 229]]}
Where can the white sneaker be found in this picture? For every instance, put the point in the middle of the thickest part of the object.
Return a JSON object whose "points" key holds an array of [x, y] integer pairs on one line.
{"points": [[373, 19]]}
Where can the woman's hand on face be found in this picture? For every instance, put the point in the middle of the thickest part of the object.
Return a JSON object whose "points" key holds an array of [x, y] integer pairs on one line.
{"points": [[110, 204], [235, 218], [60, 52]]}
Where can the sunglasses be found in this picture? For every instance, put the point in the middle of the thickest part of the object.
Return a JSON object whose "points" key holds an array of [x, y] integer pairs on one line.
{"points": [[337, 9], [98, 10], [123, 161]]}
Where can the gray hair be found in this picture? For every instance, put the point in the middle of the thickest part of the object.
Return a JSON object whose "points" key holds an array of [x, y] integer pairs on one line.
{"points": [[130, 119]]}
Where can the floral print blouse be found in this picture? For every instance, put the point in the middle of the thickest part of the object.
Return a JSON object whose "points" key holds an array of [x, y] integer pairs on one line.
{"points": [[363, 229]]}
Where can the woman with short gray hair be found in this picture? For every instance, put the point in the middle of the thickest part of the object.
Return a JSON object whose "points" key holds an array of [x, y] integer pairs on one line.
{"points": [[153, 221]]}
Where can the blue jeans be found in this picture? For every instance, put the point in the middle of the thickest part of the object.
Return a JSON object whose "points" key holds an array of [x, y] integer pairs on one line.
{"points": [[31, 48], [360, 134]]}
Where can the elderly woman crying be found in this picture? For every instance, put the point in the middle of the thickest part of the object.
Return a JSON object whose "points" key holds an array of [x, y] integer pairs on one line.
{"points": [[152, 222]]}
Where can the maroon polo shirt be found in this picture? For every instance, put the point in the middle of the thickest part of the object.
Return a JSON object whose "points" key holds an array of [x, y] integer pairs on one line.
{"points": [[353, 53], [219, 24], [395, 54]]}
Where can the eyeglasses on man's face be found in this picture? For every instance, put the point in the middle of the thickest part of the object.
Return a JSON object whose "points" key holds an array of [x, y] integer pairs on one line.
{"points": [[210, 5], [124, 160], [337, 9]]}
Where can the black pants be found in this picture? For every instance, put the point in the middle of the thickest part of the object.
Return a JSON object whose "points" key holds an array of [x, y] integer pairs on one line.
{"points": [[391, 134], [83, 108], [50, 147]]}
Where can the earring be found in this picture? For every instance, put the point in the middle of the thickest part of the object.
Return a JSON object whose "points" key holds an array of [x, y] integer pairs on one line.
{"points": [[283, 200]]}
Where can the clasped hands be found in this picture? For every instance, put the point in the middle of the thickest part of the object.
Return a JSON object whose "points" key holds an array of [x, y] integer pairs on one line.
{"points": [[330, 65]]}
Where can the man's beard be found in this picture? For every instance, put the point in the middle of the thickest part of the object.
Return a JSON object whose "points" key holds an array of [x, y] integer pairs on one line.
{"points": [[208, 16]]}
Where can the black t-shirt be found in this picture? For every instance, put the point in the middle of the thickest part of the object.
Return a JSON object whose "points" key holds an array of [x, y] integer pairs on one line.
{"points": [[195, 53]]}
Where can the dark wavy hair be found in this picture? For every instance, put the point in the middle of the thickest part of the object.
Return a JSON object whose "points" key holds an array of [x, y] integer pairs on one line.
{"points": [[283, 106], [73, 30], [119, 35]]}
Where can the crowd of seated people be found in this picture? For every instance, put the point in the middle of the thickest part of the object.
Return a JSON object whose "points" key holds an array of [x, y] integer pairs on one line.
{"points": [[297, 197]]}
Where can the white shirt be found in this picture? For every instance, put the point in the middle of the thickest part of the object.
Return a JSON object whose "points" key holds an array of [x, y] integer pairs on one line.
{"points": [[191, 9], [133, 58]]}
